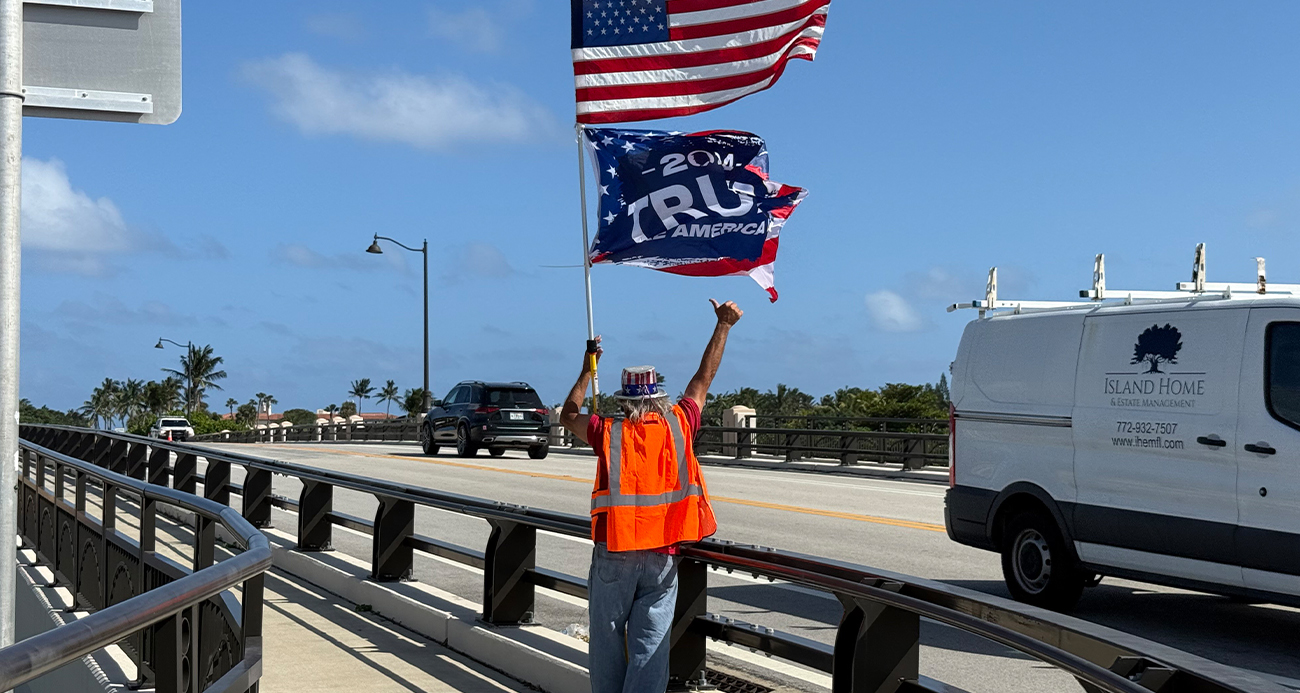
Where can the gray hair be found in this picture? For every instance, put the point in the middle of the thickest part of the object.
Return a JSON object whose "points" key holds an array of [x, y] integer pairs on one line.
{"points": [[636, 409]]}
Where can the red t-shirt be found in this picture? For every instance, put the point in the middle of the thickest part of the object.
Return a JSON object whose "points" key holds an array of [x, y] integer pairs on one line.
{"points": [[596, 433]]}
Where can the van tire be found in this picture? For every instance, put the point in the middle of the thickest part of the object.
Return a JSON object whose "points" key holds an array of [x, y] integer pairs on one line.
{"points": [[1038, 566]]}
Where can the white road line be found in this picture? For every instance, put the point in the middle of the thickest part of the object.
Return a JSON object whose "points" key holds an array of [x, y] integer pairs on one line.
{"points": [[579, 540]]}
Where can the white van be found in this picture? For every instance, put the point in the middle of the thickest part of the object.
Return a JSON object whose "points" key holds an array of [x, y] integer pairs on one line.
{"points": [[1156, 440]]}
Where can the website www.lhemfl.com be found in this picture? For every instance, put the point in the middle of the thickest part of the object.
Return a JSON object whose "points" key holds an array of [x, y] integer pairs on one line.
{"points": [[1140, 442]]}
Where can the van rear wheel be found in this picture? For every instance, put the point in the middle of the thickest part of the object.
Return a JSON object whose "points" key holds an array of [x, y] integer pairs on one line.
{"points": [[1037, 565]]}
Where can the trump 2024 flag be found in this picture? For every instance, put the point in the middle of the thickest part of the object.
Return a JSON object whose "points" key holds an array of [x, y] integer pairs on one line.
{"points": [[697, 204]]}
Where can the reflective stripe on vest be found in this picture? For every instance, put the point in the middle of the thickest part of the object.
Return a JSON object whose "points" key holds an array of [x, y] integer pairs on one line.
{"points": [[617, 498]]}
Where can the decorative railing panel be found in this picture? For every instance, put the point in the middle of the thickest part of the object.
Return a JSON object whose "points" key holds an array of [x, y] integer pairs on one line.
{"points": [[180, 624]]}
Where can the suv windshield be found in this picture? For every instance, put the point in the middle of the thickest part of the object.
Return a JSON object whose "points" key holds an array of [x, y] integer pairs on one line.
{"points": [[173, 423], [513, 398]]}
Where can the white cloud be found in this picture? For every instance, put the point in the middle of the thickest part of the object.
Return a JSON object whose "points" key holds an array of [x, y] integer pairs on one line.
{"points": [[473, 28], [486, 260], [339, 25], [393, 106], [892, 313], [360, 261], [58, 217]]}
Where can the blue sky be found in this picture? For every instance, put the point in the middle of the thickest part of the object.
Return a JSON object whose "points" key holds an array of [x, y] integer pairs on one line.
{"points": [[936, 139]]}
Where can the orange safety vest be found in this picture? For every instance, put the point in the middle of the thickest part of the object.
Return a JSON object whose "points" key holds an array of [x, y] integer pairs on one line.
{"points": [[655, 495]]}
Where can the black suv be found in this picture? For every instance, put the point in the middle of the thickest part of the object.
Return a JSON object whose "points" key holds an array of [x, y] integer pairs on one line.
{"points": [[495, 416]]}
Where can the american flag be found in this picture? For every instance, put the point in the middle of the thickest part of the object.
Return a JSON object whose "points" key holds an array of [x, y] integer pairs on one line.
{"points": [[648, 59]]}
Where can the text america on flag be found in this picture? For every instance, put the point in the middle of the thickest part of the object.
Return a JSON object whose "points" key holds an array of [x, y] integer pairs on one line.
{"points": [[699, 205], [647, 59]]}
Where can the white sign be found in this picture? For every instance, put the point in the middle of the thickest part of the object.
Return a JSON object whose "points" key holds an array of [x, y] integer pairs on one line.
{"points": [[114, 60]]}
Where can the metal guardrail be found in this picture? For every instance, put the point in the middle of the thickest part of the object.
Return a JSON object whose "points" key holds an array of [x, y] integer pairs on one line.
{"points": [[926, 444], [838, 423], [877, 644], [912, 450], [179, 625]]}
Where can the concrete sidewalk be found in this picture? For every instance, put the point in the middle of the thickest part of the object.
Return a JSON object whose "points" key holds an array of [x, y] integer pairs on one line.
{"points": [[315, 641]]}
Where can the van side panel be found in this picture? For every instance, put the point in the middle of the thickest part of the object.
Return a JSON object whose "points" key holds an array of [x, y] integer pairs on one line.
{"points": [[1013, 404], [1155, 441], [1025, 364]]}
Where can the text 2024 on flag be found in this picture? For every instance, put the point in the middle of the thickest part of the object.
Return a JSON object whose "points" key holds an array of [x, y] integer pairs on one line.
{"points": [[647, 59], [699, 204]]}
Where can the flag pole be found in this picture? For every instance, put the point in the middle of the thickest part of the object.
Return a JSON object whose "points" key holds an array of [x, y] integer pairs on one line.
{"points": [[586, 268]]}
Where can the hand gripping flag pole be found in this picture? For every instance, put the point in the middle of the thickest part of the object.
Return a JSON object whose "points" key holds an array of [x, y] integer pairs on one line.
{"points": [[586, 268]]}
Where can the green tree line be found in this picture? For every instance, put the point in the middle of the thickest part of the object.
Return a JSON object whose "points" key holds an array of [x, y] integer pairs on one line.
{"points": [[891, 401]]}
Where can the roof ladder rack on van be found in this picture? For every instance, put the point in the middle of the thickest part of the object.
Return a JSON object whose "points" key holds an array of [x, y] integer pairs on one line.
{"points": [[1197, 289]]}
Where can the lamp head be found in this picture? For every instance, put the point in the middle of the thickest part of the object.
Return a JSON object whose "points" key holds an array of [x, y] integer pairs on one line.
{"points": [[374, 247], [158, 345]]}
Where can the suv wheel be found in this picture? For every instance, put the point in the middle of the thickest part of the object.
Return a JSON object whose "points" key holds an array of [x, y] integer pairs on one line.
{"points": [[1037, 565], [464, 446], [538, 452], [496, 452], [426, 441]]}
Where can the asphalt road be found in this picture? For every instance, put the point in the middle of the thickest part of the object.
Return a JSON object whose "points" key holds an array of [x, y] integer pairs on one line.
{"points": [[887, 524]]}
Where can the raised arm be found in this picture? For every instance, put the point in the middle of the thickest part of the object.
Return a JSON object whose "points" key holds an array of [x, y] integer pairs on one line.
{"points": [[698, 389], [571, 413]]}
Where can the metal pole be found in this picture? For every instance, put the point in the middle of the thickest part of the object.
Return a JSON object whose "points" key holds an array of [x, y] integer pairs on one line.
{"points": [[586, 264], [11, 158], [427, 395]]}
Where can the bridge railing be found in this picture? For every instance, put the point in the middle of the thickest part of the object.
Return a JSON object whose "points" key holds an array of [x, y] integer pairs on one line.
{"points": [[180, 625], [913, 443], [877, 644]]}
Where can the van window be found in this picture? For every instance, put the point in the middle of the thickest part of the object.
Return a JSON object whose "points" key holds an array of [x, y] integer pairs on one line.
{"points": [[1283, 376]]}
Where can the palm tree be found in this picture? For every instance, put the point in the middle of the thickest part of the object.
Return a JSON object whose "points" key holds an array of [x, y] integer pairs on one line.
{"points": [[199, 371], [391, 394], [130, 398], [246, 414], [330, 410], [361, 390], [413, 401], [162, 397], [231, 403], [102, 405]]}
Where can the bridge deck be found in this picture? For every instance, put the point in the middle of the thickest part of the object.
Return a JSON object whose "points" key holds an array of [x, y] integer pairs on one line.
{"points": [[314, 641]]}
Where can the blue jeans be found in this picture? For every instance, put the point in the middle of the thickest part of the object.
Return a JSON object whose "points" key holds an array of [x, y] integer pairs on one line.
{"points": [[632, 596]]}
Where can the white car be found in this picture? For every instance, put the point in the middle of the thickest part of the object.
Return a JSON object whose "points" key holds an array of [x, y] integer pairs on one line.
{"points": [[1157, 442], [178, 428]]}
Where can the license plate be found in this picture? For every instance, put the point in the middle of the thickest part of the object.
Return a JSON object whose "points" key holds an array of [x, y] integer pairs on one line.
{"points": [[516, 416]]}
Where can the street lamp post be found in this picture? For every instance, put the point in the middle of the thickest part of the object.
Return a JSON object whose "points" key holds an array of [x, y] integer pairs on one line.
{"points": [[189, 347], [375, 249]]}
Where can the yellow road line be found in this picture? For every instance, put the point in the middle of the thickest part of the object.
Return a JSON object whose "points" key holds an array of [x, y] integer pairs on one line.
{"points": [[927, 526], [909, 524]]}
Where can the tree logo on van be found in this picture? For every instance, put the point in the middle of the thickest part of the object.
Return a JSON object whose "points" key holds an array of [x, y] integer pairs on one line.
{"points": [[1158, 345]]}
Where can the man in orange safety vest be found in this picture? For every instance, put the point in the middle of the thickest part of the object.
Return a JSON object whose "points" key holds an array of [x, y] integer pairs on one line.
{"points": [[649, 498]]}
